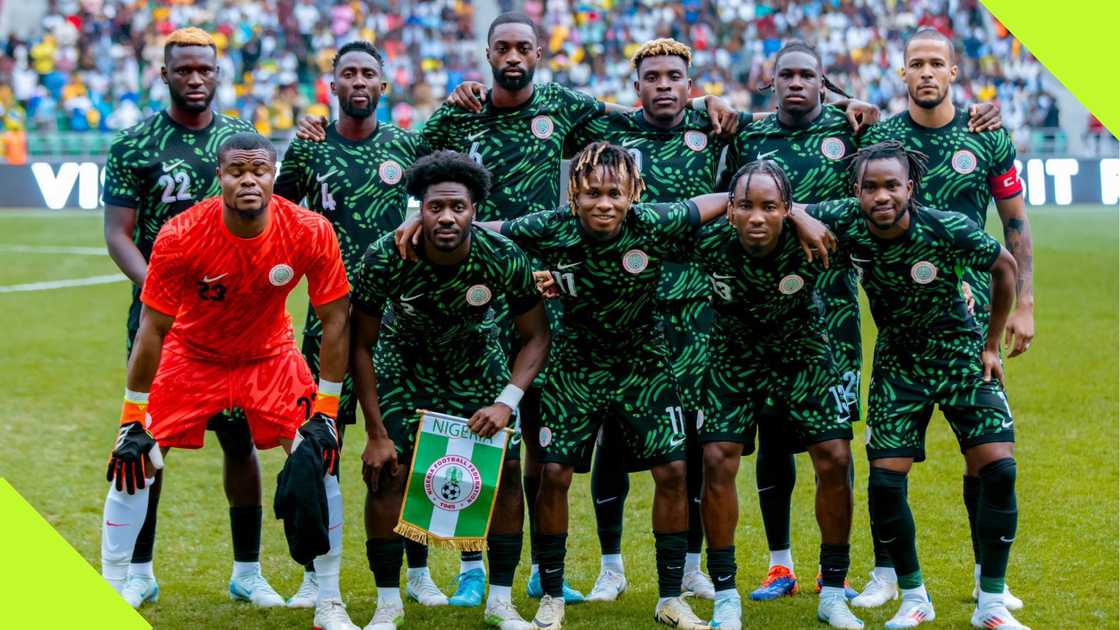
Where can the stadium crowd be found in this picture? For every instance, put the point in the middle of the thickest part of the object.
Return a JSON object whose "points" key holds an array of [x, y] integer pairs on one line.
{"points": [[93, 65]]}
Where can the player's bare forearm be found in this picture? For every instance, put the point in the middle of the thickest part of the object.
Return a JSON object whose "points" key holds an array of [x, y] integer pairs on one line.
{"points": [[1017, 240], [334, 353], [1003, 295], [364, 329], [711, 206], [144, 361], [533, 328], [119, 225], [813, 235]]}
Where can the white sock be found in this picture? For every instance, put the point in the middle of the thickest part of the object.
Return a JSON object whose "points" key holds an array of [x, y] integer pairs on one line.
{"points": [[886, 574], [988, 600], [661, 601], [976, 573], [730, 593], [782, 558], [611, 562], [123, 516], [916, 593], [470, 565], [499, 594], [245, 568], [389, 597], [832, 590], [691, 562], [143, 569], [534, 569], [327, 566], [416, 574]]}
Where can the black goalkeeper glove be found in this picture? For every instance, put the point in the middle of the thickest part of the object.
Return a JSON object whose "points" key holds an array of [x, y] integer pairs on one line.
{"points": [[321, 428], [126, 463]]}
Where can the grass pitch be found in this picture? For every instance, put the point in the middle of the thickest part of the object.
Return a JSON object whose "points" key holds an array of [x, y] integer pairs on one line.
{"points": [[64, 369]]}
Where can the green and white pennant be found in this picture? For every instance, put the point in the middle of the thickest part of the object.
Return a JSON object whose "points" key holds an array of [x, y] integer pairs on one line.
{"points": [[452, 484]]}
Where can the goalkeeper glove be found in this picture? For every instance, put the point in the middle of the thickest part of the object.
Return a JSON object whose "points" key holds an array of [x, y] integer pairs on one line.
{"points": [[126, 463]]}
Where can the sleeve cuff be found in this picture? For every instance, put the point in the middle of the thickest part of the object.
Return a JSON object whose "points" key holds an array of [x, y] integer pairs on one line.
{"points": [[518, 307], [693, 214], [327, 298], [163, 308], [113, 200]]}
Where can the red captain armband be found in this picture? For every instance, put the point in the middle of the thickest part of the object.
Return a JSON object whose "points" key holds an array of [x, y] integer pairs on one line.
{"points": [[1005, 186]]}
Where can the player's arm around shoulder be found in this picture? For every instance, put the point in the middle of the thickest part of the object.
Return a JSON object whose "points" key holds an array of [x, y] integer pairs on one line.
{"points": [[291, 181]]}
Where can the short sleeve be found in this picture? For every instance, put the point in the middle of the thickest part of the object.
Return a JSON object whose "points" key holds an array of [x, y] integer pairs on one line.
{"points": [[579, 106], [1003, 179], [977, 249], [326, 275], [523, 294], [121, 183], [290, 181], [163, 285], [674, 227], [436, 129], [833, 213], [583, 134], [873, 135], [371, 280], [532, 232]]}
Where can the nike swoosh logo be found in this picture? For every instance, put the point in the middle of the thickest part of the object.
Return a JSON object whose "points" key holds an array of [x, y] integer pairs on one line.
{"points": [[887, 542], [674, 568], [723, 578], [321, 178], [112, 524], [475, 136], [1007, 424], [606, 500], [676, 443], [567, 266], [411, 297], [208, 279], [1004, 539], [630, 141], [763, 156], [767, 488], [170, 166], [551, 571]]}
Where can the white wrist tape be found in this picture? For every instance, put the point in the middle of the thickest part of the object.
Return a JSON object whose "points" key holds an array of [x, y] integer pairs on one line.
{"points": [[511, 396], [330, 388], [140, 398]]}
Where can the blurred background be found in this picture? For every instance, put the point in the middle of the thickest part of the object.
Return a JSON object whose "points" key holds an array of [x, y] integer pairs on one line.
{"points": [[72, 72]]}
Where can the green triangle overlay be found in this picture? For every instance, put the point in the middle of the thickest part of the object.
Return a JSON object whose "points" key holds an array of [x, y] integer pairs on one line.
{"points": [[41, 567], [1076, 42]]}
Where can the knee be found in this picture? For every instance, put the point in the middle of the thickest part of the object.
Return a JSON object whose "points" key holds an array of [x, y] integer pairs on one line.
{"points": [[720, 466], [997, 479], [832, 463], [885, 490], [670, 478], [555, 477]]}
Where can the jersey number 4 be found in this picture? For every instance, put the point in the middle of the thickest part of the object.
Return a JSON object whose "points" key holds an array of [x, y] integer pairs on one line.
{"points": [[169, 182]]}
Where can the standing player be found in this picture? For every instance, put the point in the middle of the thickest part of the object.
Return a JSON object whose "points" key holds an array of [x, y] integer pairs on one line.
{"points": [[770, 348], [214, 334], [810, 142], [966, 172], [355, 179], [437, 349], [930, 350], [156, 170]]}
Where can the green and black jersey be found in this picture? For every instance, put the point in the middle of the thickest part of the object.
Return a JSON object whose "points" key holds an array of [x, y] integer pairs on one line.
{"points": [[357, 185], [676, 164], [160, 168], [521, 146], [608, 288]]}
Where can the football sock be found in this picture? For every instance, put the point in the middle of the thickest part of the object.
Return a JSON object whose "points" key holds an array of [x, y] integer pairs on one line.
{"points": [[721, 564], [418, 572], [694, 480], [894, 523], [670, 550], [551, 549], [328, 566], [532, 486], [916, 591], [245, 527], [123, 517], [610, 485], [834, 565], [781, 558], [146, 539], [141, 568], [471, 560], [499, 594], [385, 557], [882, 555], [416, 554], [776, 474], [971, 494], [996, 521], [612, 562], [245, 568], [504, 554], [691, 560], [886, 574], [389, 596]]}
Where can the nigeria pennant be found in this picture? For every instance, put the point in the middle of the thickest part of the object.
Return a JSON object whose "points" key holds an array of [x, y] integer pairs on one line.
{"points": [[452, 484]]}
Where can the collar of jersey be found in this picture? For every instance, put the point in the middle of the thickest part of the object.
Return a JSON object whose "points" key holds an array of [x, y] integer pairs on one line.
{"points": [[167, 116], [273, 208], [332, 133], [923, 129], [686, 123]]}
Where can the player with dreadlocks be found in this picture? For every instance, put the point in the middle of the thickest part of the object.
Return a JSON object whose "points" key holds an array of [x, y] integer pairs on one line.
{"points": [[770, 362], [609, 364], [930, 350], [809, 140]]}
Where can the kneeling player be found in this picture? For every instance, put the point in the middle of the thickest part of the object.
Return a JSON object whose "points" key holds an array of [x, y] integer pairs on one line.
{"points": [[930, 350], [770, 349], [436, 348], [215, 335]]}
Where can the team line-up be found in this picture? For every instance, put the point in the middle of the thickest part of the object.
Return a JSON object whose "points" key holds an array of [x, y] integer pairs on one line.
{"points": [[673, 317]]}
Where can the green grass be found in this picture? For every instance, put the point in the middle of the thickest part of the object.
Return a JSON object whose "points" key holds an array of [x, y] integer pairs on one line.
{"points": [[64, 369]]}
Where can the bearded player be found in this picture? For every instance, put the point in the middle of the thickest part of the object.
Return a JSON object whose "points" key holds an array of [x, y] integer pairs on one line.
{"points": [[966, 172], [214, 334], [156, 170], [436, 348]]}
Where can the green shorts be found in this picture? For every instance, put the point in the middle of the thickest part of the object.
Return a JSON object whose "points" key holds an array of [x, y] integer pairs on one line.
{"points": [[906, 385], [458, 381], [312, 342], [688, 324], [839, 297], [792, 394], [634, 390]]}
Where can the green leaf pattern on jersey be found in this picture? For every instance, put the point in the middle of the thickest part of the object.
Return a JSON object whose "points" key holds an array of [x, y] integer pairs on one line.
{"points": [[608, 289], [160, 168], [521, 146], [676, 164]]}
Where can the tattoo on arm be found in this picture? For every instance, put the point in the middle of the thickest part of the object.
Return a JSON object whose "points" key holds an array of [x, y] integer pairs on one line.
{"points": [[1017, 236]]}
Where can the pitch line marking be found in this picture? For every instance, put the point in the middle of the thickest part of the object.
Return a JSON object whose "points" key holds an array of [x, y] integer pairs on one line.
{"points": [[51, 249], [63, 284]]}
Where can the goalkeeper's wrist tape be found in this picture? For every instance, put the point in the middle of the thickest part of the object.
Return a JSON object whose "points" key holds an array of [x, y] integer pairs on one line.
{"points": [[135, 408], [510, 396], [326, 400]]}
